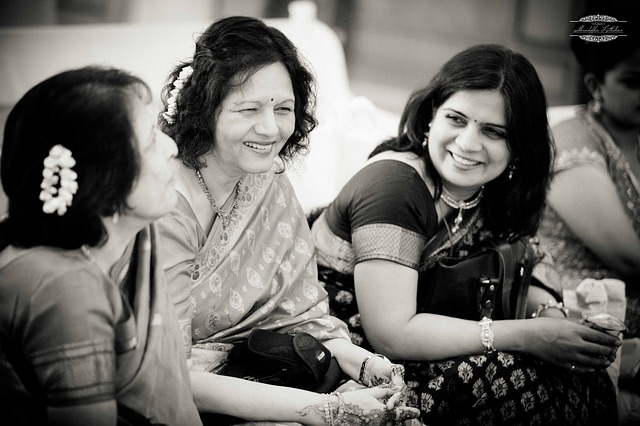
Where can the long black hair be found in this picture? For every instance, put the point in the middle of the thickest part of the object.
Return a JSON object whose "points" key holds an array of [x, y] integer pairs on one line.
{"points": [[510, 206]]}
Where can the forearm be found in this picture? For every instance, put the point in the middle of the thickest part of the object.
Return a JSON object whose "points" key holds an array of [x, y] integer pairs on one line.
{"points": [[348, 355], [255, 401], [434, 337]]}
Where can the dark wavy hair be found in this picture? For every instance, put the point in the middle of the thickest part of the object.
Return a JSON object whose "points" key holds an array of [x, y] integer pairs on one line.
{"points": [[511, 207], [226, 55], [89, 112]]}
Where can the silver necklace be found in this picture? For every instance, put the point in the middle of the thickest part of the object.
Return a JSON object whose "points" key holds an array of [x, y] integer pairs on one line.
{"points": [[87, 253], [460, 205], [225, 216]]}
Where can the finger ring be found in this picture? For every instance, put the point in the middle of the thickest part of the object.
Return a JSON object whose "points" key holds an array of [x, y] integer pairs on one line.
{"points": [[573, 367]]}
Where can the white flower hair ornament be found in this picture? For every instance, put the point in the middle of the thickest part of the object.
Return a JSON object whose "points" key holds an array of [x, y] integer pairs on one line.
{"points": [[59, 182], [172, 102]]}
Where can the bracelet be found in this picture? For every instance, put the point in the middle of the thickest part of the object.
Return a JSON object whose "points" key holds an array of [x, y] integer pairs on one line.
{"points": [[328, 415], [340, 406], [486, 335], [549, 305], [363, 368]]}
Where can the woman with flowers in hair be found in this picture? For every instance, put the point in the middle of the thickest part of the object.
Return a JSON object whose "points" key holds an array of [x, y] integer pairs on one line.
{"points": [[238, 250], [87, 331]]}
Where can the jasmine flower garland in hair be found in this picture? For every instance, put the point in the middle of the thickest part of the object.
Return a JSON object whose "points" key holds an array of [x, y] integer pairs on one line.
{"points": [[172, 102], [58, 181]]}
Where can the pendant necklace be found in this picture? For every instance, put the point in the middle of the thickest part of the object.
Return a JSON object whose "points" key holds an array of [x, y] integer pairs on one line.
{"points": [[460, 205], [225, 216]]}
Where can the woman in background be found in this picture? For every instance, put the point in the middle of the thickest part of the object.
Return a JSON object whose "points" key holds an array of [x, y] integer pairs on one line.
{"points": [[591, 226], [238, 250], [471, 163], [88, 335]]}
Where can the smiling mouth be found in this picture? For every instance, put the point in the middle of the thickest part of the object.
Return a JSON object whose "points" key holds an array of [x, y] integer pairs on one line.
{"points": [[260, 147], [463, 161]]}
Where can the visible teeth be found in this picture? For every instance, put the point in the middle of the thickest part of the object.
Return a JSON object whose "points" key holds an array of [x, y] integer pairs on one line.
{"points": [[464, 161], [259, 147]]}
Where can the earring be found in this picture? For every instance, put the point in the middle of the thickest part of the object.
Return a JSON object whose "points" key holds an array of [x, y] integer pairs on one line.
{"points": [[115, 218], [597, 104], [512, 169], [425, 141]]}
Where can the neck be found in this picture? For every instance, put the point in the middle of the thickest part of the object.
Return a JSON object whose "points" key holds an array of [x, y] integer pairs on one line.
{"points": [[120, 236], [217, 179], [620, 132], [460, 194]]}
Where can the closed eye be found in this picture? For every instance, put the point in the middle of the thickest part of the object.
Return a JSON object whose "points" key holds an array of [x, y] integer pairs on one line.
{"points": [[456, 119], [284, 110]]}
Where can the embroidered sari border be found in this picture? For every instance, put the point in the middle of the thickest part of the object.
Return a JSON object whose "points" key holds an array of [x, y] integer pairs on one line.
{"points": [[335, 252], [389, 242]]}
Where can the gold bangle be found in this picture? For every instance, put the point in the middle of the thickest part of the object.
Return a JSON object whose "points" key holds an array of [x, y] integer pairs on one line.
{"points": [[486, 335], [551, 304]]}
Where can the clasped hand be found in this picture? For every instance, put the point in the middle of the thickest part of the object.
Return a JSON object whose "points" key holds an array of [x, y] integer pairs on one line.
{"points": [[571, 345], [382, 404]]}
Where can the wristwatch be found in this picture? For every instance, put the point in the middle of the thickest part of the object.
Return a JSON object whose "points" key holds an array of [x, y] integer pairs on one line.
{"points": [[486, 335]]}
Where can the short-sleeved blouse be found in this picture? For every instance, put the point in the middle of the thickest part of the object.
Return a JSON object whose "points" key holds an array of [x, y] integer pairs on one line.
{"points": [[68, 336], [384, 212]]}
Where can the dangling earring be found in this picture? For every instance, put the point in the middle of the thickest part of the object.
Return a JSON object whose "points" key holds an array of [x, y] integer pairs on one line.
{"points": [[115, 218], [597, 104], [425, 141], [512, 169]]}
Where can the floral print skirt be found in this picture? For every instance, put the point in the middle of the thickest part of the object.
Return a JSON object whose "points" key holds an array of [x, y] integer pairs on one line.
{"points": [[508, 389], [488, 390]]}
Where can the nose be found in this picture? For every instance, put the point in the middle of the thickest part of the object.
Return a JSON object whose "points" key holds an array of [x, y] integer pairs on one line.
{"points": [[267, 124], [469, 139], [169, 145]]}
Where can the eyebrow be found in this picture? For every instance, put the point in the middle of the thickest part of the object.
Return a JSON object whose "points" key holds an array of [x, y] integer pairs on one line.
{"points": [[254, 101], [504, 127]]}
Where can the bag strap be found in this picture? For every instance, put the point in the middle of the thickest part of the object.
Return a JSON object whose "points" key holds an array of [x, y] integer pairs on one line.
{"points": [[516, 258], [508, 261]]}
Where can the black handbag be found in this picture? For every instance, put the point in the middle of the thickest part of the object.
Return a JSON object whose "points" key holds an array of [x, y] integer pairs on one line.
{"points": [[491, 282], [298, 361]]}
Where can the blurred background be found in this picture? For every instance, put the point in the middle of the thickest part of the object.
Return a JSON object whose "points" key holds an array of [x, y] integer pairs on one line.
{"points": [[368, 54]]}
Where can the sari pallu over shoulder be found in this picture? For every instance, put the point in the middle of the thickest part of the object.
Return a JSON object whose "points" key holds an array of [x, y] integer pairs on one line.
{"points": [[258, 272]]}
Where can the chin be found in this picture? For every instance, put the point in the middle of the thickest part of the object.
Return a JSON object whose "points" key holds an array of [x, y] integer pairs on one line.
{"points": [[259, 168]]}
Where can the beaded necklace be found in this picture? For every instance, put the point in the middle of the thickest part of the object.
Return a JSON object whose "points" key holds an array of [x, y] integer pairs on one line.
{"points": [[460, 205], [225, 216]]}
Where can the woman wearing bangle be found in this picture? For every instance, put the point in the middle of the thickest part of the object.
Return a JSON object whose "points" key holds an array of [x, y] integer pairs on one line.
{"points": [[238, 250], [471, 163]]}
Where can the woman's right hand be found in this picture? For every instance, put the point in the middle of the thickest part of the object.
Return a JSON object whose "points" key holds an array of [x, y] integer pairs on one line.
{"points": [[380, 405], [571, 345]]}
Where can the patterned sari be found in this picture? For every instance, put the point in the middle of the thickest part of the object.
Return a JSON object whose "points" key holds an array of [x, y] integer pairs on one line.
{"points": [[583, 141], [495, 389], [258, 272]]}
